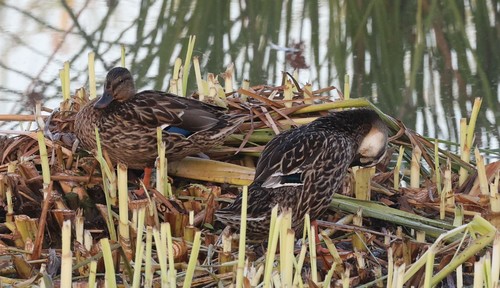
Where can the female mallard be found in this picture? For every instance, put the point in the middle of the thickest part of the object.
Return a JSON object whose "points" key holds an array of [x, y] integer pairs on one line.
{"points": [[127, 123], [302, 168]]}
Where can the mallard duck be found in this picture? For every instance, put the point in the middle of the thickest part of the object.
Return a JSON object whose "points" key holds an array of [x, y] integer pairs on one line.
{"points": [[302, 168], [127, 123]]}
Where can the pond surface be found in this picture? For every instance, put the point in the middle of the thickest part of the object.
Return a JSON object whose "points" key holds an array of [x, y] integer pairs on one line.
{"points": [[421, 61]]}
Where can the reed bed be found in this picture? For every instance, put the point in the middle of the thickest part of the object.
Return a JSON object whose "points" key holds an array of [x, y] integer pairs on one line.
{"points": [[423, 217]]}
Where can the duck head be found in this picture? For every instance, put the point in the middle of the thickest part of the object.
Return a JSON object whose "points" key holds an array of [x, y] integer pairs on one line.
{"points": [[119, 87], [373, 145]]}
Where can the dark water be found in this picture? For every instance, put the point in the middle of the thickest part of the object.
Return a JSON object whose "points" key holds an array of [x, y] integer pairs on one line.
{"points": [[421, 61]]}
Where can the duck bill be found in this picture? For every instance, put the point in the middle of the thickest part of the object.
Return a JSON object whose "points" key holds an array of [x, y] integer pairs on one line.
{"points": [[104, 101]]}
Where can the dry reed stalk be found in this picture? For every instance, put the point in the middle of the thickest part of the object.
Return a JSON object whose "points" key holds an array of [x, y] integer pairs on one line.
{"points": [[92, 274], [241, 248], [148, 265], [161, 247], [362, 179], [92, 83], [123, 227], [187, 63], [107, 255], [65, 84], [67, 255], [271, 245], [415, 167], [312, 250], [347, 87], [193, 259], [166, 232]]}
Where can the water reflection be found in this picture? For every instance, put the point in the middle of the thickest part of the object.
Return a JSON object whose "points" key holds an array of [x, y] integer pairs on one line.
{"points": [[424, 64]]}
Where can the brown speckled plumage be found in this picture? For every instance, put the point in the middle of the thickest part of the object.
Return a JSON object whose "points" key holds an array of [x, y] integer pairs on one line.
{"points": [[302, 168], [127, 123]]}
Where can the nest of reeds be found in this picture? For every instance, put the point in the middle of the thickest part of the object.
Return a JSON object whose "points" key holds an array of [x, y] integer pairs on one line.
{"points": [[377, 232]]}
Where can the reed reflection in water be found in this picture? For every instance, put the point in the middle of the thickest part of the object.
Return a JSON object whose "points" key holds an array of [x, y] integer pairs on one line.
{"points": [[422, 61]]}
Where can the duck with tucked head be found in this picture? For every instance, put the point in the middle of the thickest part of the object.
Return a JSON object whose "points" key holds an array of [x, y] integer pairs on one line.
{"points": [[127, 123], [302, 168]]}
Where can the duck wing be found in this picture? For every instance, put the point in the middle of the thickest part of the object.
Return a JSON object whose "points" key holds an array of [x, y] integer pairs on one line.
{"points": [[154, 109], [288, 155]]}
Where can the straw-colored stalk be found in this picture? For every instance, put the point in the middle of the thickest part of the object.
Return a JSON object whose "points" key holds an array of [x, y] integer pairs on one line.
{"points": [[445, 193], [64, 77], [362, 178], [429, 266], [139, 252], [190, 230], [8, 195], [479, 274], [211, 171], [202, 88], [162, 184], [464, 150], [332, 249], [495, 261], [27, 228], [162, 257], [308, 94], [297, 279], [193, 259], [175, 88], [495, 196], [187, 62], [437, 170], [228, 78], [256, 277], [329, 275], [139, 247], [245, 86], [415, 167], [109, 186], [148, 265], [272, 245], [79, 228], [44, 159], [225, 255], [481, 173], [122, 53], [347, 87], [243, 228], [459, 215], [467, 138], [139, 225], [288, 93], [124, 231], [460, 276], [109, 276], [92, 274], [109, 177], [92, 83], [420, 236], [167, 232], [399, 275], [358, 239], [287, 237], [312, 251], [66, 255], [390, 267], [345, 276], [487, 269]]}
